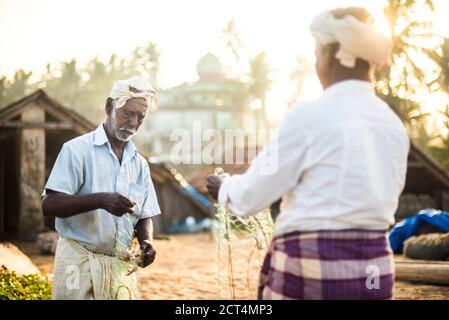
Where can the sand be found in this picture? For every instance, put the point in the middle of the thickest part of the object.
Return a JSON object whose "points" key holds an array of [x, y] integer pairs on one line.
{"points": [[186, 268]]}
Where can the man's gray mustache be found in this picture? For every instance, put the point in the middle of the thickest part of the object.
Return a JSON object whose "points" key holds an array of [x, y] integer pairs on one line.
{"points": [[128, 131]]}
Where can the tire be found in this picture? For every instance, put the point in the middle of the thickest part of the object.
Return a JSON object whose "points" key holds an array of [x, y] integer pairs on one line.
{"points": [[432, 246]]}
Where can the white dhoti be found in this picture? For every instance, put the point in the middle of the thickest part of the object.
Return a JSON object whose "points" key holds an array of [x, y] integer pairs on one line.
{"points": [[80, 274]]}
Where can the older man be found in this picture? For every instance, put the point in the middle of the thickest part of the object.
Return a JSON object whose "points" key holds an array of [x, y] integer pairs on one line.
{"points": [[100, 192], [341, 167]]}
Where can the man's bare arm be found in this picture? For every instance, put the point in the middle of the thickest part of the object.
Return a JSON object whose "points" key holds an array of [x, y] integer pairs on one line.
{"points": [[144, 231], [62, 205]]}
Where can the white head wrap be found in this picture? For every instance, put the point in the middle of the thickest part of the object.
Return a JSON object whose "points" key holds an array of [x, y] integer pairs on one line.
{"points": [[356, 39], [135, 87]]}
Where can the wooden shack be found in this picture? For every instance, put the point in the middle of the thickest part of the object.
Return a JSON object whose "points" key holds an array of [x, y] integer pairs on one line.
{"points": [[176, 199], [426, 186], [32, 130]]}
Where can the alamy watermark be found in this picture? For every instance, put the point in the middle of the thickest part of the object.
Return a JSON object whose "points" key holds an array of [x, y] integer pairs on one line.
{"points": [[372, 281], [227, 146], [72, 281]]}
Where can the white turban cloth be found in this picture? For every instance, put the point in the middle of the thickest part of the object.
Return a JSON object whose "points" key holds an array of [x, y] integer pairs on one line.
{"points": [[135, 87], [357, 39]]}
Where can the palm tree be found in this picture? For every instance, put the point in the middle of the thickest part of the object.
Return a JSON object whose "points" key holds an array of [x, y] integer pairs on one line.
{"points": [[407, 32], [440, 57], [146, 61], [233, 45], [399, 81], [298, 76], [232, 39], [66, 87], [260, 83], [96, 88], [3, 90], [16, 88]]}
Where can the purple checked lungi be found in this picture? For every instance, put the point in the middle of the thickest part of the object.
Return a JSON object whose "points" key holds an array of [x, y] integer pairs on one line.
{"points": [[346, 264]]}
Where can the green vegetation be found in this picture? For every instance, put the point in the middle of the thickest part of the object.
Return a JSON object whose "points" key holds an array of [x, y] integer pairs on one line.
{"points": [[26, 287]]}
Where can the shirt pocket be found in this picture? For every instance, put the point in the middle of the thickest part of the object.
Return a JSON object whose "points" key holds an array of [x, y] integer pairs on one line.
{"points": [[137, 193]]}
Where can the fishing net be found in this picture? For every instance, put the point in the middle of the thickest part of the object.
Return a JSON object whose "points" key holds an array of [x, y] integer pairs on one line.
{"points": [[128, 252], [241, 245]]}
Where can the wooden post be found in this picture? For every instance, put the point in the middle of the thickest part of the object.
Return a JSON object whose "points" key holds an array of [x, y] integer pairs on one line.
{"points": [[32, 173], [425, 271], [442, 199], [2, 191]]}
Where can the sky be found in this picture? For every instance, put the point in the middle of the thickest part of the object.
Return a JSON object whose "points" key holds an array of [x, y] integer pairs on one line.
{"points": [[36, 32]]}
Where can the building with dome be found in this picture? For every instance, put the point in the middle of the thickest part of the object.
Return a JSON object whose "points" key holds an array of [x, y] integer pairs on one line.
{"points": [[213, 102]]}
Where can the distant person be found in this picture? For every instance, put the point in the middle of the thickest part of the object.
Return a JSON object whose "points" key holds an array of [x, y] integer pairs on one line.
{"points": [[98, 178], [342, 164]]}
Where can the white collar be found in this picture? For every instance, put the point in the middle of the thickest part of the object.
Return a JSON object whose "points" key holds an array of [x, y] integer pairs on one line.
{"points": [[100, 138], [349, 85]]}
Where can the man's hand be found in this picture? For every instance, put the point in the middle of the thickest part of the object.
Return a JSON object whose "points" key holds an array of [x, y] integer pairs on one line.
{"points": [[213, 185], [117, 204], [148, 253]]}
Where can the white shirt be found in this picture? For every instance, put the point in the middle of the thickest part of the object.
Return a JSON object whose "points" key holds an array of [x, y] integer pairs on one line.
{"points": [[87, 165], [341, 164]]}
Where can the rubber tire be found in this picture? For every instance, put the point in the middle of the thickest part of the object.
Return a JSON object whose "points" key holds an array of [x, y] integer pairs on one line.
{"points": [[432, 246]]}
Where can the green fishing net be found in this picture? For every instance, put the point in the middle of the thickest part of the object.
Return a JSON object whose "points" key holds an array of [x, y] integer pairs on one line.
{"points": [[128, 252], [241, 245]]}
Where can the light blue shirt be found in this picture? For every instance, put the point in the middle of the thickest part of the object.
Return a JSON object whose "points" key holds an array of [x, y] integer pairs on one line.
{"points": [[88, 165]]}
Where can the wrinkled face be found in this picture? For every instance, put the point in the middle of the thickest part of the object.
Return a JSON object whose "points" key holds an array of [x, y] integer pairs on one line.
{"points": [[323, 64], [123, 123]]}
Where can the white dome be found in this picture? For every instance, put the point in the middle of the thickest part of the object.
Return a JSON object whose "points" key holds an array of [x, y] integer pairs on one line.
{"points": [[209, 66]]}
